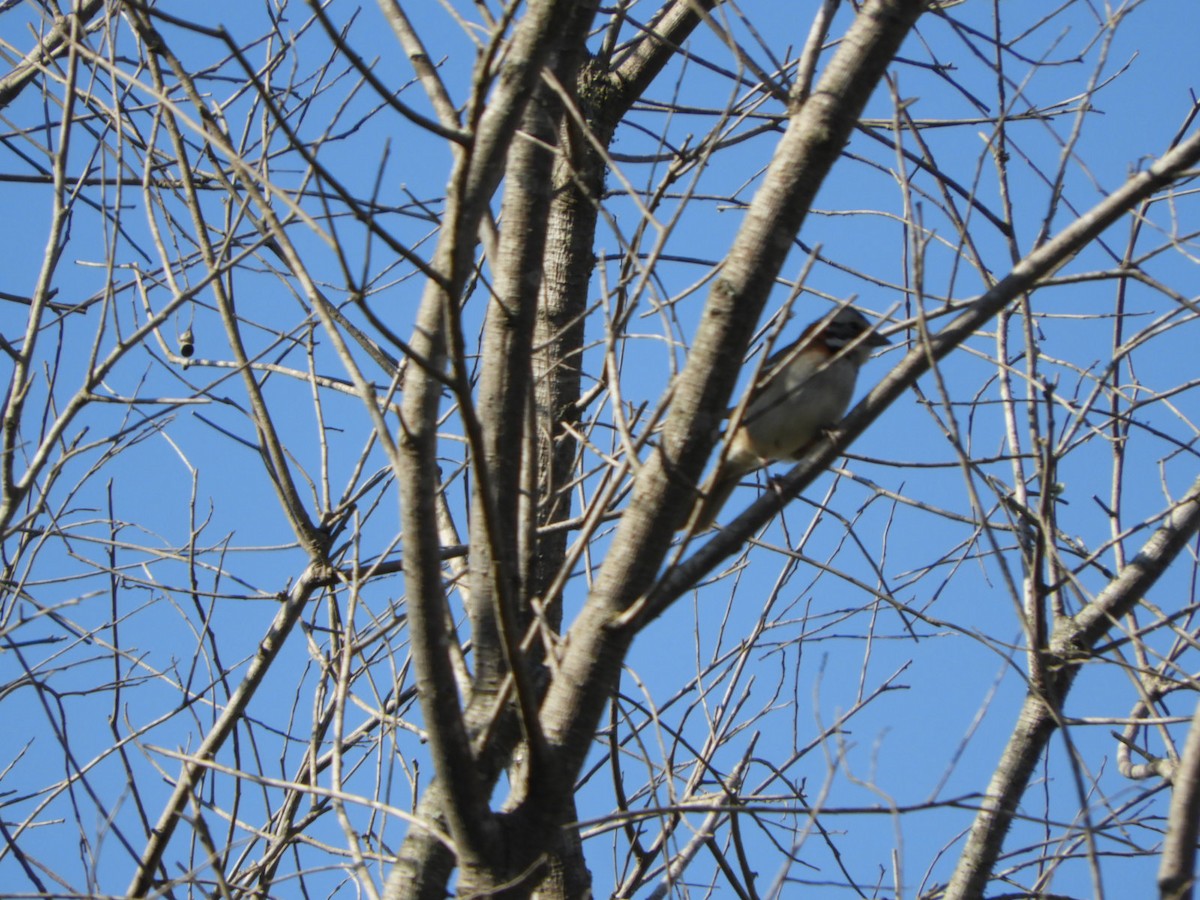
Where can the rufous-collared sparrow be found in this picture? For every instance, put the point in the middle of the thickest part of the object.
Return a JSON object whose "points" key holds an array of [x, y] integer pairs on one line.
{"points": [[802, 390]]}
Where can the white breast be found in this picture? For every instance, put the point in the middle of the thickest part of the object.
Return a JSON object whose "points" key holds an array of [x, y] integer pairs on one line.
{"points": [[795, 406]]}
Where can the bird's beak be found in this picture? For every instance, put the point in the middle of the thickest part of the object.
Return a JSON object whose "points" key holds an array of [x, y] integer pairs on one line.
{"points": [[874, 339]]}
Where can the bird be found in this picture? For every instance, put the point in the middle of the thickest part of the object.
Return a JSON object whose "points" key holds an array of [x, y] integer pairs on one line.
{"points": [[803, 390]]}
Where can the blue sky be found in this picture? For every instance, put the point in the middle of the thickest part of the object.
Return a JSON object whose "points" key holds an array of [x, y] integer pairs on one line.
{"points": [[824, 643]]}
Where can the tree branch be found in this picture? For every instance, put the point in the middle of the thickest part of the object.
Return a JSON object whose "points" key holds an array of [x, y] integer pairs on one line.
{"points": [[664, 487]]}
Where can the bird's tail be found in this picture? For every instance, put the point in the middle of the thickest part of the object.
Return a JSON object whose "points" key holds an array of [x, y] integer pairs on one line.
{"points": [[716, 492]]}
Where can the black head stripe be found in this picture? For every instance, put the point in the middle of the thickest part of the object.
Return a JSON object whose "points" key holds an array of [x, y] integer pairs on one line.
{"points": [[844, 329]]}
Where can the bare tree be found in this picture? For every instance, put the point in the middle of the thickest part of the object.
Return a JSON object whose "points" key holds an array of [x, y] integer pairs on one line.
{"points": [[364, 367]]}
